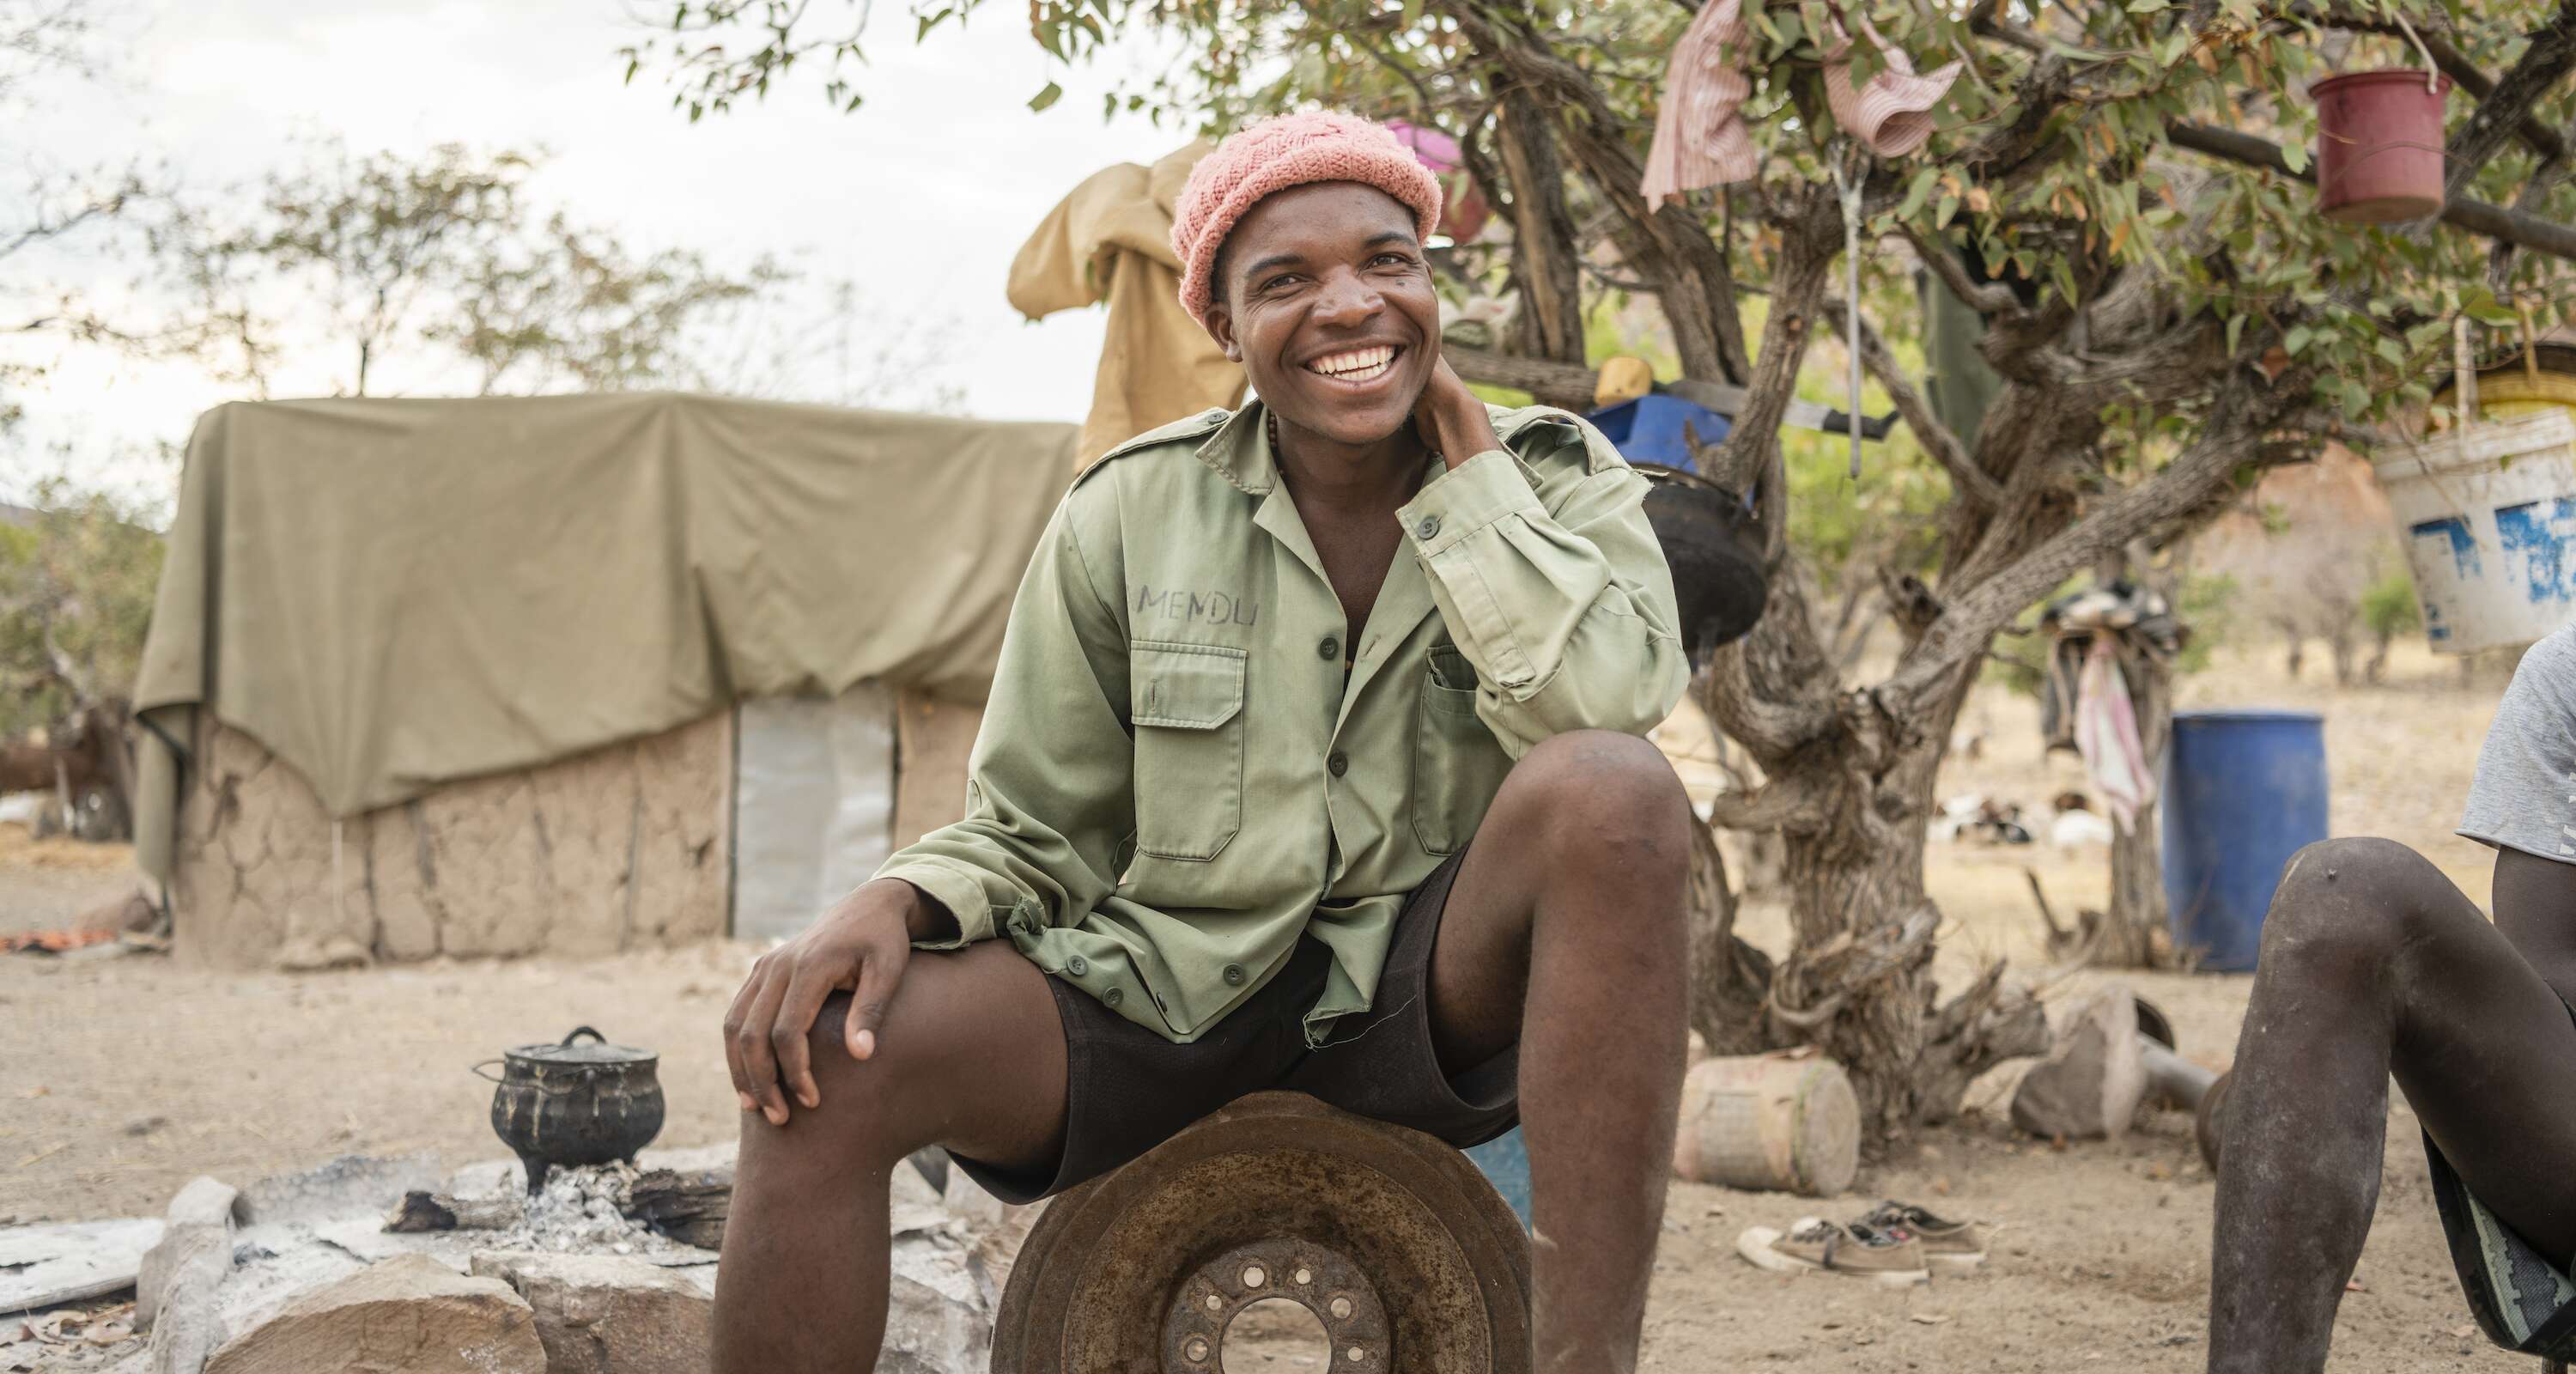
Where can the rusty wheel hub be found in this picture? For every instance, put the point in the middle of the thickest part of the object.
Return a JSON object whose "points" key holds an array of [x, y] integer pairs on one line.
{"points": [[1391, 1238], [1321, 1280]]}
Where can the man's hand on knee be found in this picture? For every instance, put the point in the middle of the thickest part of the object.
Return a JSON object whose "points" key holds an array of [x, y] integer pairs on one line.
{"points": [[860, 946]]}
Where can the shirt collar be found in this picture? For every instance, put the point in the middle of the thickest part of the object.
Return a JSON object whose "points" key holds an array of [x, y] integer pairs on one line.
{"points": [[1239, 450]]}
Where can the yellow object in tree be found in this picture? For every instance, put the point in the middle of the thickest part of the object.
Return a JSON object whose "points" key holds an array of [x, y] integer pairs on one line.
{"points": [[2528, 382], [1110, 241], [1622, 379]]}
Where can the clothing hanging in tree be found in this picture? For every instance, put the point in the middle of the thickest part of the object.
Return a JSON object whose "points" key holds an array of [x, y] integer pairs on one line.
{"points": [[1701, 138], [1110, 241], [2098, 637]]}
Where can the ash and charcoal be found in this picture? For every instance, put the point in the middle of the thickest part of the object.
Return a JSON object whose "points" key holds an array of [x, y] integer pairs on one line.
{"points": [[586, 1209]]}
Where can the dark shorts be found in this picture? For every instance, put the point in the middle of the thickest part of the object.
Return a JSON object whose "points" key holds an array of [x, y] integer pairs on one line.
{"points": [[1128, 1090], [2522, 1298]]}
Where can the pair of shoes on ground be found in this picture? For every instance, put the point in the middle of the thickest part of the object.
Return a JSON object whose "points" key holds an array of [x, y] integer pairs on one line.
{"points": [[1896, 1244]]}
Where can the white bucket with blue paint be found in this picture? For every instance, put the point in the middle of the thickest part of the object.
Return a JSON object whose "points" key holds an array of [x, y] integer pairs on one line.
{"points": [[2488, 515]]}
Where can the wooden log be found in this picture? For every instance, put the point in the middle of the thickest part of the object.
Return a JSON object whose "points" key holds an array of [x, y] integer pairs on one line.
{"points": [[688, 1207], [419, 1211]]}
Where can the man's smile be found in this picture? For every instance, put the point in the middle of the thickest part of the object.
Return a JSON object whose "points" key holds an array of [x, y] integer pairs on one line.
{"points": [[1357, 364]]}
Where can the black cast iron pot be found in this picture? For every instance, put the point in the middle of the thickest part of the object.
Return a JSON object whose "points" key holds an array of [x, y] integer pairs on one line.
{"points": [[573, 1103]]}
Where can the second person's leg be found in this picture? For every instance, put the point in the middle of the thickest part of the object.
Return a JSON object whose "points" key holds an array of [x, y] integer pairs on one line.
{"points": [[2373, 964]]}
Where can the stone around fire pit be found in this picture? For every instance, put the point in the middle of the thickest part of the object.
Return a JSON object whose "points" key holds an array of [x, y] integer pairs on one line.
{"points": [[411, 1315], [343, 1187], [174, 1296], [47, 1266], [609, 1314]]}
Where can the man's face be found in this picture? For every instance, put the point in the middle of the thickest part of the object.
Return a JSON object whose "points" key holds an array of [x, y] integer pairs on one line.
{"points": [[1324, 297]]}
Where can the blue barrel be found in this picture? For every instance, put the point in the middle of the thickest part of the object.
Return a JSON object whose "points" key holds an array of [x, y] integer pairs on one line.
{"points": [[2244, 790], [1505, 1161]]}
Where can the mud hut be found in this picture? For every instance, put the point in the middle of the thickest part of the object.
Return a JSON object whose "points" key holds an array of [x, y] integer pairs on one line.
{"points": [[567, 674]]}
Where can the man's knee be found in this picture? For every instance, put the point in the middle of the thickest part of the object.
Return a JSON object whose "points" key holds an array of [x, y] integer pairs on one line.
{"points": [[2353, 906], [1597, 797], [866, 1106]]}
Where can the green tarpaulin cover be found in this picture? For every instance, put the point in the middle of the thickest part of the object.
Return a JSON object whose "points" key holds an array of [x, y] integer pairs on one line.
{"points": [[394, 594]]}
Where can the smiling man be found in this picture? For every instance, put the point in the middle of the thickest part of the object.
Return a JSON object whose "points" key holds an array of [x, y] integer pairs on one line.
{"points": [[1313, 761]]}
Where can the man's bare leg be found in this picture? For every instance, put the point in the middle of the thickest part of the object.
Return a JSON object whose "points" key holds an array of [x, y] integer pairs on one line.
{"points": [[972, 1057], [2373, 963], [1565, 932]]}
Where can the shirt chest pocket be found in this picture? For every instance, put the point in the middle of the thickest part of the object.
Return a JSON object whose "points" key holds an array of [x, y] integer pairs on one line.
{"points": [[1186, 702], [1458, 765]]}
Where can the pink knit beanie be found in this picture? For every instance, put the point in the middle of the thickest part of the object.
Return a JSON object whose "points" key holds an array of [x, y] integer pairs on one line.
{"points": [[1273, 155]]}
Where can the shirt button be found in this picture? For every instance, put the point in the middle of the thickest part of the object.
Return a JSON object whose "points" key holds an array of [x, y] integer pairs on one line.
{"points": [[1234, 975], [1339, 763], [1331, 648], [1114, 996], [1076, 966], [1430, 526]]}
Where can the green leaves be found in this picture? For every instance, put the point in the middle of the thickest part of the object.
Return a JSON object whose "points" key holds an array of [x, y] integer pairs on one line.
{"points": [[1047, 97], [1918, 192]]}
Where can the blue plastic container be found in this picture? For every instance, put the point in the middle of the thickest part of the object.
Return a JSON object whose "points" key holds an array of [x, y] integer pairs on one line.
{"points": [[2244, 790], [1649, 429], [1505, 1162]]}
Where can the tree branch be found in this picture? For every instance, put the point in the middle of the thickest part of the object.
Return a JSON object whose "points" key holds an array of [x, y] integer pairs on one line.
{"points": [[1972, 482], [2476, 216], [1670, 243], [2548, 59], [2183, 488], [1568, 385], [43, 228], [2534, 193], [1798, 284], [1786, 803], [2546, 141], [1551, 323], [1986, 298]]}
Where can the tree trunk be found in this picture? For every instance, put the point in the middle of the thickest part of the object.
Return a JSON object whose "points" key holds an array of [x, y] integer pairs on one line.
{"points": [[1550, 285], [1729, 979], [2136, 934], [1848, 785], [1861, 983]]}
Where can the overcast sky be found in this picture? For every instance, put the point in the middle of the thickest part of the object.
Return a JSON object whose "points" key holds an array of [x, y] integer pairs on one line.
{"points": [[921, 197]]}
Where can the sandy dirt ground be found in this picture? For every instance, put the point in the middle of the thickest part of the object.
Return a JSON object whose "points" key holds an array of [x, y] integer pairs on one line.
{"points": [[50, 884], [121, 1079]]}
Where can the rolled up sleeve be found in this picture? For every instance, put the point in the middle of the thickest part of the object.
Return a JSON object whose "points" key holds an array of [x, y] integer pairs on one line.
{"points": [[1044, 816], [1566, 613]]}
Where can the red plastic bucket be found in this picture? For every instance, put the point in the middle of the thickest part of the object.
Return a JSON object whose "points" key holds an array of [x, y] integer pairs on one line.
{"points": [[2379, 146]]}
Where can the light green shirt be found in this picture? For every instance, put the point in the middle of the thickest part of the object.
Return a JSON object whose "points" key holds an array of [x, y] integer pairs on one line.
{"points": [[1177, 775]]}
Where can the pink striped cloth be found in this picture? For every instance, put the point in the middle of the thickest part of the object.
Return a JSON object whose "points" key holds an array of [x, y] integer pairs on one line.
{"points": [[1701, 138], [2106, 734]]}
